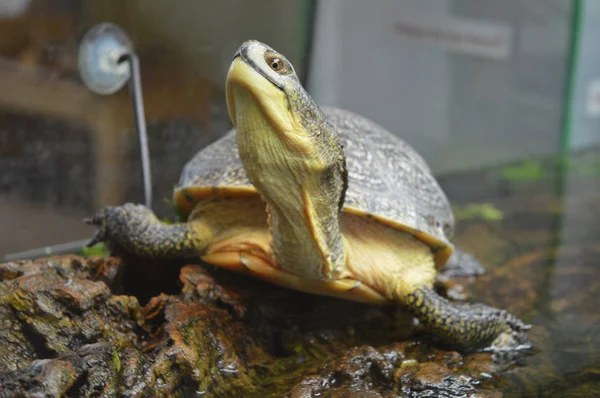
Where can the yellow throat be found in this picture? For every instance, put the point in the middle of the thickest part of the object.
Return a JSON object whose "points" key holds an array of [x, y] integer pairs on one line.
{"points": [[292, 157]]}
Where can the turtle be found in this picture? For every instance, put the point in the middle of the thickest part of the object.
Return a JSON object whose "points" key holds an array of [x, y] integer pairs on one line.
{"points": [[317, 199]]}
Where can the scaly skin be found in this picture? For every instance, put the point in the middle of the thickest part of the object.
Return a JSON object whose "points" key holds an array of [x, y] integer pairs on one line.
{"points": [[135, 229], [270, 109], [467, 325]]}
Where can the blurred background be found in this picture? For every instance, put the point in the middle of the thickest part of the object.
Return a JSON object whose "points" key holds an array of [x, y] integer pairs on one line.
{"points": [[469, 83]]}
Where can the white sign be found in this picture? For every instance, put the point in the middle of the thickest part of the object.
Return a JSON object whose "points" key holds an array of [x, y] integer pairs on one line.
{"points": [[593, 99], [472, 37]]}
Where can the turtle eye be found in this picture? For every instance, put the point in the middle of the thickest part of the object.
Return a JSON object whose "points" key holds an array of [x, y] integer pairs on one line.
{"points": [[276, 64]]}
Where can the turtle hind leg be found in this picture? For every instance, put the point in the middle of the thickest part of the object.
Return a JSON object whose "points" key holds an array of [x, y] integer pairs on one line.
{"points": [[468, 325], [135, 230], [462, 263]]}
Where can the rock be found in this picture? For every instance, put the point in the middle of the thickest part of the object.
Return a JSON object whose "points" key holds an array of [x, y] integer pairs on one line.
{"points": [[41, 378], [116, 326], [66, 332], [60, 304]]}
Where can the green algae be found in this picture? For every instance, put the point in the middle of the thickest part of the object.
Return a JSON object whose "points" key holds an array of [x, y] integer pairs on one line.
{"points": [[483, 211], [99, 249], [527, 170]]}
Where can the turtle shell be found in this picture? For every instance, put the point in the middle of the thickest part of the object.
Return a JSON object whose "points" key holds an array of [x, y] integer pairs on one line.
{"points": [[387, 181]]}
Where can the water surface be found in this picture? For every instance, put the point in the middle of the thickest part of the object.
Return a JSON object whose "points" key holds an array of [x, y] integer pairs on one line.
{"points": [[536, 226]]}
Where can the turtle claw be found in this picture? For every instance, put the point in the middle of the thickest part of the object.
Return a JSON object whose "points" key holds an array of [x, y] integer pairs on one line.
{"points": [[509, 347], [98, 237], [511, 344], [121, 226], [134, 230], [496, 349], [98, 220], [513, 322], [94, 220]]}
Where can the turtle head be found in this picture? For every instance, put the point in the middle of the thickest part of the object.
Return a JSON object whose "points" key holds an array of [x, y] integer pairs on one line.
{"points": [[292, 155], [268, 106]]}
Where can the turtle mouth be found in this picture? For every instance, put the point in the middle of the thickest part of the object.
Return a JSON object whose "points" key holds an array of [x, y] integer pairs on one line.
{"points": [[243, 79], [244, 53]]}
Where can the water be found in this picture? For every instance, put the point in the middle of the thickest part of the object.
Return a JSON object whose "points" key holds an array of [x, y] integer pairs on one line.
{"points": [[536, 227]]}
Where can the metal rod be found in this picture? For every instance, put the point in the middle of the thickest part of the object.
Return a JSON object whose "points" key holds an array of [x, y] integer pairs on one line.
{"points": [[62, 248], [135, 88]]}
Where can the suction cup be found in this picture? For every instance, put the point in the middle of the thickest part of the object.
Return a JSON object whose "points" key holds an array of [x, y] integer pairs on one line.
{"points": [[101, 58]]}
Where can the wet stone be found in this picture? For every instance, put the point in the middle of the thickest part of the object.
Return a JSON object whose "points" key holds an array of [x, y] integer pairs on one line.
{"points": [[66, 332], [42, 377]]}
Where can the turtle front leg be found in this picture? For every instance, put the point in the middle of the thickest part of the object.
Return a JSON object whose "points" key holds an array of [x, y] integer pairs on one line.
{"points": [[468, 325], [136, 230]]}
